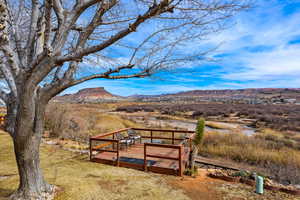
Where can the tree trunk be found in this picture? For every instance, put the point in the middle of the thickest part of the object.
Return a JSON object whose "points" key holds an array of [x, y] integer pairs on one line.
{"points": [[32, 184], [27, 138]]}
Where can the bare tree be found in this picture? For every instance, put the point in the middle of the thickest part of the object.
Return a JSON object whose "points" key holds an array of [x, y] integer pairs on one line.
{"points": [[47, 46]]}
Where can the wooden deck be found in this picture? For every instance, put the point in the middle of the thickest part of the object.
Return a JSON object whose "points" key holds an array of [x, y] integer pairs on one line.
{"points": [[133, 157], [143, 155]]}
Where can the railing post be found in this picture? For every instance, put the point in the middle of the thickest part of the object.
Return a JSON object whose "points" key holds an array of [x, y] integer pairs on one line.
{"points": [[151, 133], [145, 157], [172, 137], [180, 161], [113, 142], [91, 149], [118, 156]]}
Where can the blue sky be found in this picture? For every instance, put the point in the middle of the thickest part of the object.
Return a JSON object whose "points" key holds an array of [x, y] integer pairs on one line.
{"points": [[260, 49]]}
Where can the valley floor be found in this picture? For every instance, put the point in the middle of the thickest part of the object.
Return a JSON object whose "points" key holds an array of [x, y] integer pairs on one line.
{"points": [[80, 179]]}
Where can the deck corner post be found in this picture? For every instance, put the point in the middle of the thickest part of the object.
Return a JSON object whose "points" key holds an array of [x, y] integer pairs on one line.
{"points": [[91, 149], [180, 171], [113, 144], [145, 157], [118, 155]]}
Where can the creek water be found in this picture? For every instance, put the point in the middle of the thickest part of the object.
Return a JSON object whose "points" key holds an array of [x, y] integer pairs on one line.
{"points": [[191, 125]]}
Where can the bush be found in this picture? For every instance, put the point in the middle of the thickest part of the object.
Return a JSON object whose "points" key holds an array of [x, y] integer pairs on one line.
{"points": [[280, 117], [274, 156], [199, 132], [78, 122]]}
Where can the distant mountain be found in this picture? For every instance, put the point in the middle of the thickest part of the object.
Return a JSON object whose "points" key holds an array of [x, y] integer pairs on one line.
{"points": [[88, 95], [251, 96], [287, 92]]}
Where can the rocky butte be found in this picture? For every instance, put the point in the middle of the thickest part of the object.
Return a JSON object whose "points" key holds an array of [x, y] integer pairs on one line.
{"points": [[88, 95]]}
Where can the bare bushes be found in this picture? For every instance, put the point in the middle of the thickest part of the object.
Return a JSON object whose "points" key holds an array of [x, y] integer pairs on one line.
{"points": [[287, 174], [280, 117], [78, 122], [279, 160]]}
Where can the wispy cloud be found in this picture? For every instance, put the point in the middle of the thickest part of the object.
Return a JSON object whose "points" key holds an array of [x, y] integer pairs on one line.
{"points": [[259, 46], [260, 49]]}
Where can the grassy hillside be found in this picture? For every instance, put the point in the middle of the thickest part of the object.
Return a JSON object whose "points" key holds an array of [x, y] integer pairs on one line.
{"points": [[80, 179]]}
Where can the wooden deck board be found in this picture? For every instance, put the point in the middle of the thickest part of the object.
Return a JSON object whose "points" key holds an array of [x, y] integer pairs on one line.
{"points": [[133, 157]]}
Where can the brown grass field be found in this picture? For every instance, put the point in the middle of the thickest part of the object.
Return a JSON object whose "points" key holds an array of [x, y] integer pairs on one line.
{"points": [[273, 153], [79, 179]]}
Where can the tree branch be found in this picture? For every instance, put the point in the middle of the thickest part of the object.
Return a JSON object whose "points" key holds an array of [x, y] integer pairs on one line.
{"points": [[48, 7], [14, 23], [97, 19], [9, 78], [32, 30], [156, 10], [136, 75], [5, 42], [59, 12], [3, 96]]}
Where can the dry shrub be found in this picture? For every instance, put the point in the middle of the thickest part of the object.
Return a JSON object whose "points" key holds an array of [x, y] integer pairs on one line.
{"points": [[255, 151], [280, 117], [78, 122]]}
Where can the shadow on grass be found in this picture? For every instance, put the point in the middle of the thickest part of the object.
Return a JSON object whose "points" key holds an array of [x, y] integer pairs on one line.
{"points": [[5, 193]]}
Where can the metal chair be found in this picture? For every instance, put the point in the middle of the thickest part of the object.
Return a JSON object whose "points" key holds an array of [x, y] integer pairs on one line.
{"points": [[123, 140], [134, 136]]}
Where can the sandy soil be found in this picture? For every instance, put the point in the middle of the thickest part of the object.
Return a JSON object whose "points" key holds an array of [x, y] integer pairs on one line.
{"points": [[201, 187]]}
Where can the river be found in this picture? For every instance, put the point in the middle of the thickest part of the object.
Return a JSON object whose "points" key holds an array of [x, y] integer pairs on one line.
{"points": [[191, 125]]}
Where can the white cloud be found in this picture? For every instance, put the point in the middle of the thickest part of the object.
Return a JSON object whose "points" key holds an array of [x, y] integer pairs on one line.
{"points": [[279, 63], [258, 46]]}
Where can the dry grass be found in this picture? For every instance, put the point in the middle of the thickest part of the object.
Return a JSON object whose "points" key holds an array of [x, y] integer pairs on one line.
{"points": [[256, 150], [81, 179], [217, 125]]}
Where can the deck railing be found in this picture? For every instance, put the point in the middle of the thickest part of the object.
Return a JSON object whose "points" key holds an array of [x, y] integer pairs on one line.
{"points": [[173, 132], [107, 142], [178, 158], [114, 142]]}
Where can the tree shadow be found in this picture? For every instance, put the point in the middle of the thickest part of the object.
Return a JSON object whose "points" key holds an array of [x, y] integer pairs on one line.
{"points": [[5, 193]]}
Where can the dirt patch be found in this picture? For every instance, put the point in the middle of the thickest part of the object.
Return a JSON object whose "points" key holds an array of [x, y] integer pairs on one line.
{"points": [[201, 187], [111, 185], [244, 192]]}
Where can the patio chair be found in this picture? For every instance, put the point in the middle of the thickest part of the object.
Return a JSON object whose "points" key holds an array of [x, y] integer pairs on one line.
{"points": [[134, 136], [124, 140]]}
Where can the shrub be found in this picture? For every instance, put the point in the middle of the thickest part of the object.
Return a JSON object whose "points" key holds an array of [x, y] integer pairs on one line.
{"points": [[196, 142], [199, 132], [280, 117], [78, 122], [275, 157]]}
